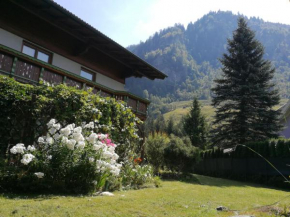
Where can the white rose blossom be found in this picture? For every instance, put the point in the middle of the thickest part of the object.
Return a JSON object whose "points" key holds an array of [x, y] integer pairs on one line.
{"points": [[78, 130], [65, 131], [78, 137], [71, 144], [56, 126], [89, 125], [39, 175], [40, 140], [51, 123], [97, 147], [92, 138], [31, 148], [81, 144], [18, 149], [27, 158], [102, 136]]}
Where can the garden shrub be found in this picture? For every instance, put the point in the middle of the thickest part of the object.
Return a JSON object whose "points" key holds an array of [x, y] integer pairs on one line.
{"points": [[26, 109], [135, 175], [69, 159], [179, 156], [154, 149]]}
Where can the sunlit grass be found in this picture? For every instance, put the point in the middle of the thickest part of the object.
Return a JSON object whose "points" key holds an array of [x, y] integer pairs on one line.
{"points": [[182, 108], [174, 198]]}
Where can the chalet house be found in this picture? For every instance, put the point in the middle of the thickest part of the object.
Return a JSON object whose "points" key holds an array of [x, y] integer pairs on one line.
{"points": [[39, 39]]}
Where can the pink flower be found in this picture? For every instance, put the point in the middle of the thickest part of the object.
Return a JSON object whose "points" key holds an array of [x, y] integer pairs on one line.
{"points": [[108, 142]]}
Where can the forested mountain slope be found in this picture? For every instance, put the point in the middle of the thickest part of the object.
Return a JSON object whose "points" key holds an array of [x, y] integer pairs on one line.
{"points": [[189, 56]]}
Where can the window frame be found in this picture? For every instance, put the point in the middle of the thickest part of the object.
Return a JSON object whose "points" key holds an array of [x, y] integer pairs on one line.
{"points": [[94, 74], [37, 49]]}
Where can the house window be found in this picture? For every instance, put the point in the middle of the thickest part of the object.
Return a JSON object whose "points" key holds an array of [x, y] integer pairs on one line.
{"points": [[88, 75], [36, 52]]}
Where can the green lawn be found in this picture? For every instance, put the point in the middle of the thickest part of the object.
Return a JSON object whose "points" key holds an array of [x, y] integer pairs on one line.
{"points": [[181, 108], [174, 198]]}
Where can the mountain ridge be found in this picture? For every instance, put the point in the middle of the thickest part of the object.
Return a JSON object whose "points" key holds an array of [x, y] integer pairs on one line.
{"points": [[189, 56]]}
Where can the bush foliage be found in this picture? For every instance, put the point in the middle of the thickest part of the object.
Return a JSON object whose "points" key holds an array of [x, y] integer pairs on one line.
{"points": [[26, 109], [180, 155], [70, 159], [154, 149], [25, 112], [171, 153]]}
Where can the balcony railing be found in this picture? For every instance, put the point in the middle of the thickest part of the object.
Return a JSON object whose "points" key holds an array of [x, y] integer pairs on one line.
{"points": [[26, 69]]}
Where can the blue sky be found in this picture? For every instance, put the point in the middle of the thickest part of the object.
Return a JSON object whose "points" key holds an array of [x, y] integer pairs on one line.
{"points": [[131, 21]]}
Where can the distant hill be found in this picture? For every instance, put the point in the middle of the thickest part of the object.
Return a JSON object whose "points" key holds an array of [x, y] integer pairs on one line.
{"points": [[189, 56]]}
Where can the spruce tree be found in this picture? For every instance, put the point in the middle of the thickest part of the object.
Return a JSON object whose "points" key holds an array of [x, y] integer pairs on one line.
{"points": [[170, 126], [195, 127], [244, 97]]}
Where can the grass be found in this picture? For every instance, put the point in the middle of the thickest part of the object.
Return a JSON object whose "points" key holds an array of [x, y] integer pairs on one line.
{"points": [[181, 108], [174, 198]]}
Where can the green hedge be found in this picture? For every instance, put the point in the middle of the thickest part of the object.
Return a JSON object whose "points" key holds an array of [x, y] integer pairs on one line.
{"points": [[279, 148], [270, 149]]}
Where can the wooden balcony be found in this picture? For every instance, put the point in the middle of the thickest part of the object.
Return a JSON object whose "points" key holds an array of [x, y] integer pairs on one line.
{"points": [[26, 69]]}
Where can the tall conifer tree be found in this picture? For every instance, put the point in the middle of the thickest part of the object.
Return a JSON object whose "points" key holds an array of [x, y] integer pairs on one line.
{"points": [[244, 97]]}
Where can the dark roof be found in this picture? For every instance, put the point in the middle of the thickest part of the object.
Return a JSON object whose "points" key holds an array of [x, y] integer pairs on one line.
{"points": [[55, 14]]}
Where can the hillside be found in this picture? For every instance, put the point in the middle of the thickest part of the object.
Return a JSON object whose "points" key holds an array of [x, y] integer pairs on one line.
{"points": [[189, 56], [181, 108]]}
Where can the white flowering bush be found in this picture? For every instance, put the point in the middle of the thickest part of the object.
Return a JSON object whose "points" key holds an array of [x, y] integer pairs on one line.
{"points": [[65, 159], [71, 159], [26, 109]]}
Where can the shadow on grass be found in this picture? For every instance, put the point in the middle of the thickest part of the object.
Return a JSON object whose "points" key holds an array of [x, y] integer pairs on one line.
{"points": [[35, 196], [215, 181]]}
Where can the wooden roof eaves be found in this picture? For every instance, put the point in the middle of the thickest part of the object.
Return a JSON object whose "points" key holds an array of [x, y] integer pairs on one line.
{"points": [[51, 4]]}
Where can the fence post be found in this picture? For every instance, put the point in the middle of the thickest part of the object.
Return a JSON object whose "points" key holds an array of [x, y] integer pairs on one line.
{"points": [[137, 107], [13, 67], [41, 74], [84, 86], [64, 79]]}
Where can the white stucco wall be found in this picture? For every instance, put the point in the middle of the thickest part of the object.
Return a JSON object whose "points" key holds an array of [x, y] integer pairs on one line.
{"points": [[109, 82], [66, 64], [15, 42], [10, 40]]}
